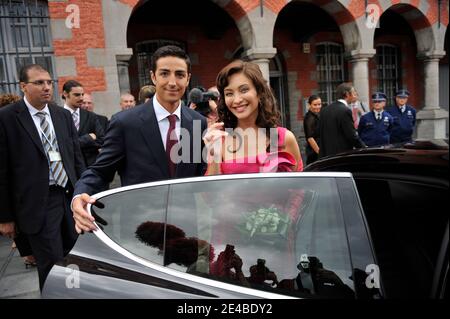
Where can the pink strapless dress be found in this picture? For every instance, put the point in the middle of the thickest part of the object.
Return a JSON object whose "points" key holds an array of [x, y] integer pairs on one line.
{"points": [[279, 161]]}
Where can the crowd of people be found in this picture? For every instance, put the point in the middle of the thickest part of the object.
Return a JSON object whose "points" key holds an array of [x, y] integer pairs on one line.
{"points": [[342, 126], [52, 159]]}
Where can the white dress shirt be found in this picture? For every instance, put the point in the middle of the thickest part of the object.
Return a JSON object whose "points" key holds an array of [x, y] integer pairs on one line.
{"points": [[378, 115], [77, 110], [343, 101], [163, 122], [37, 122]]}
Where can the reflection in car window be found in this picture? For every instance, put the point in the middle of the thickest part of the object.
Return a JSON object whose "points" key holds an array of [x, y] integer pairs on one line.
{"points": [[136, 220], [283, 235]]}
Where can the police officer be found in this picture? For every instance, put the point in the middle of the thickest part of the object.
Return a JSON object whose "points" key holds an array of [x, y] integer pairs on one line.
{"points": [[375, 127], [404, 118]]}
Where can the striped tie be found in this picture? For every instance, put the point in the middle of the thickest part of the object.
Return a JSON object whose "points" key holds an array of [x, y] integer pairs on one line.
{"points": [[76, 120], [49, 143]]}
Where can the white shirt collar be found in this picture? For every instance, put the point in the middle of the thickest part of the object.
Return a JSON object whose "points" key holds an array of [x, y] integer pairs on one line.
{"points": [[343, 101], [34, 110], [77, 110], [161, 113]]}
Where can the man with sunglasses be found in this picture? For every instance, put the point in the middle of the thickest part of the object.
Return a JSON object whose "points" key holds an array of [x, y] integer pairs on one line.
{"points": [[40, 162]]}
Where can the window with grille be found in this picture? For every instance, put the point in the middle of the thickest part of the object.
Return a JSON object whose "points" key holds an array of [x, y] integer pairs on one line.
{"points": [[144, 52], [388, 70], [25, 39], [330, 70]]}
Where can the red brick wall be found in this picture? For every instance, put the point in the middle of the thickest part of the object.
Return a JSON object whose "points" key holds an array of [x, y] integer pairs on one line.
{"points": [[89, 35], [303, 63]]}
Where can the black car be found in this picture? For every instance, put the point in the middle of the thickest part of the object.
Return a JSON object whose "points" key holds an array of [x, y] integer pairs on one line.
{"points": [[404, 194], [280, 235], [374, 226]]}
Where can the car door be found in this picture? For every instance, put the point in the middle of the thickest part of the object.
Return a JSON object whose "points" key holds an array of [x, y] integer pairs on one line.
{"points": [[239, 236]]}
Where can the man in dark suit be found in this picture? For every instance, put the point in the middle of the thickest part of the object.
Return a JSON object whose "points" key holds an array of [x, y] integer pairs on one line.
{"points": [[40, 162], [88, 105], [336, 129], [144, 143], [90, 131]]}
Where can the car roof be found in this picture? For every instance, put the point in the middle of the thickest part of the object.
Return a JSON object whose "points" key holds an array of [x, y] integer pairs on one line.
{"points": [[419, 159]]}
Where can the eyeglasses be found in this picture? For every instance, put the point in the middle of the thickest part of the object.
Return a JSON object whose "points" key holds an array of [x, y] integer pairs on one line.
{"points": [[42, 82]]}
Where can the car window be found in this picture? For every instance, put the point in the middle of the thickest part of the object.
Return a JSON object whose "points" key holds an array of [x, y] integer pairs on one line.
{"points": [[283, 235], [407, 234], [135, 220]]}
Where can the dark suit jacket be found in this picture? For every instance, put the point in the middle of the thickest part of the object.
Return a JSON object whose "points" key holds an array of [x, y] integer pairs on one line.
{"points": [[134, 148], [336, 130], [24, 171], [89, 123], [103, 122]]}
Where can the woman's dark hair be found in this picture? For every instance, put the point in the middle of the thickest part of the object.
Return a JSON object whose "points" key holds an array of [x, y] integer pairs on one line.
{"points": [[312, 98], [268, 115]]}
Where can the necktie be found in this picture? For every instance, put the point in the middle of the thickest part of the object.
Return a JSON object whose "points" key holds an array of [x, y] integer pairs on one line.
{"points": [[76, 120], [170, 142], [378, 116], [49, 143], [402, 109]]}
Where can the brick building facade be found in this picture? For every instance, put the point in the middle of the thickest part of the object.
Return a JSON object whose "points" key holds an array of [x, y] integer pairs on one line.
{"points": [[303, 47]]}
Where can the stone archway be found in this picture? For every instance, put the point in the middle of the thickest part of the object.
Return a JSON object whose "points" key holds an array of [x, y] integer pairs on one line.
{"points": [[428, 32], [205, 30]]}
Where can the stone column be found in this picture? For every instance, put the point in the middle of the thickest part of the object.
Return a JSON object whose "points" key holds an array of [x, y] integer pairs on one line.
{"points": [[261, 56], [431, 120], [122, 73], [360, 73]]}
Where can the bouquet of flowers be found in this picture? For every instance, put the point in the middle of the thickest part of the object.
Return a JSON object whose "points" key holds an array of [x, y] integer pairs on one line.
{"points": [[267, 223]]}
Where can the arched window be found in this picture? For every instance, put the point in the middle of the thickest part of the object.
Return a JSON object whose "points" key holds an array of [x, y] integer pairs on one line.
{"points": [[25, 39], [144, 52], [388, 70], [330, 70], [277, 83]]}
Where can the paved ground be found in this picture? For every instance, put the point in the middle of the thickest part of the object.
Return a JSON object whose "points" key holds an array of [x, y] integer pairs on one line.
{"points": [[15, 280]]}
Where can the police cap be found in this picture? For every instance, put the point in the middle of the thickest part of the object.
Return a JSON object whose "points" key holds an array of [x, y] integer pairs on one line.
{"points": [[402, 93], [378, 97]]}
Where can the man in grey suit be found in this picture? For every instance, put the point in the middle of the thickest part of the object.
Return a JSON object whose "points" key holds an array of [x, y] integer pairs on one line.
{"points": [[336, 128], [141, 142]]}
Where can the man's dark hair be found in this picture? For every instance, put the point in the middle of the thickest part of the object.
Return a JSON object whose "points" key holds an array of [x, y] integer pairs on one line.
{"points": [[343, 89], [23, 73], [170, 50], [67, 87]]}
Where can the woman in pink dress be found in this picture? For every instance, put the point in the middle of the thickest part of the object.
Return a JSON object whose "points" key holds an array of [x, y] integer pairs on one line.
{"points": [[248, 138]]}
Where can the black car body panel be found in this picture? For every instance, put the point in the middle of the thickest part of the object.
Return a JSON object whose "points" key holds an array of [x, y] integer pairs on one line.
{"points": [[404, 194]]}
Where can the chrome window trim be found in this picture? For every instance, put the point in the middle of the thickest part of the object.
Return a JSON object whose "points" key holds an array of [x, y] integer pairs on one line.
{"points": [[172, 272], [220, 177]]}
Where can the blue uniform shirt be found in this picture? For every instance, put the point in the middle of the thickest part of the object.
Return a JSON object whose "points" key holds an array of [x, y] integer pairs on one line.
{"points": [[404, 123], [375, 132]]}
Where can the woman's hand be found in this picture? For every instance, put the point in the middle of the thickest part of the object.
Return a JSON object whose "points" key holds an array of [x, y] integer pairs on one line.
{"points": [[213, 142]]}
